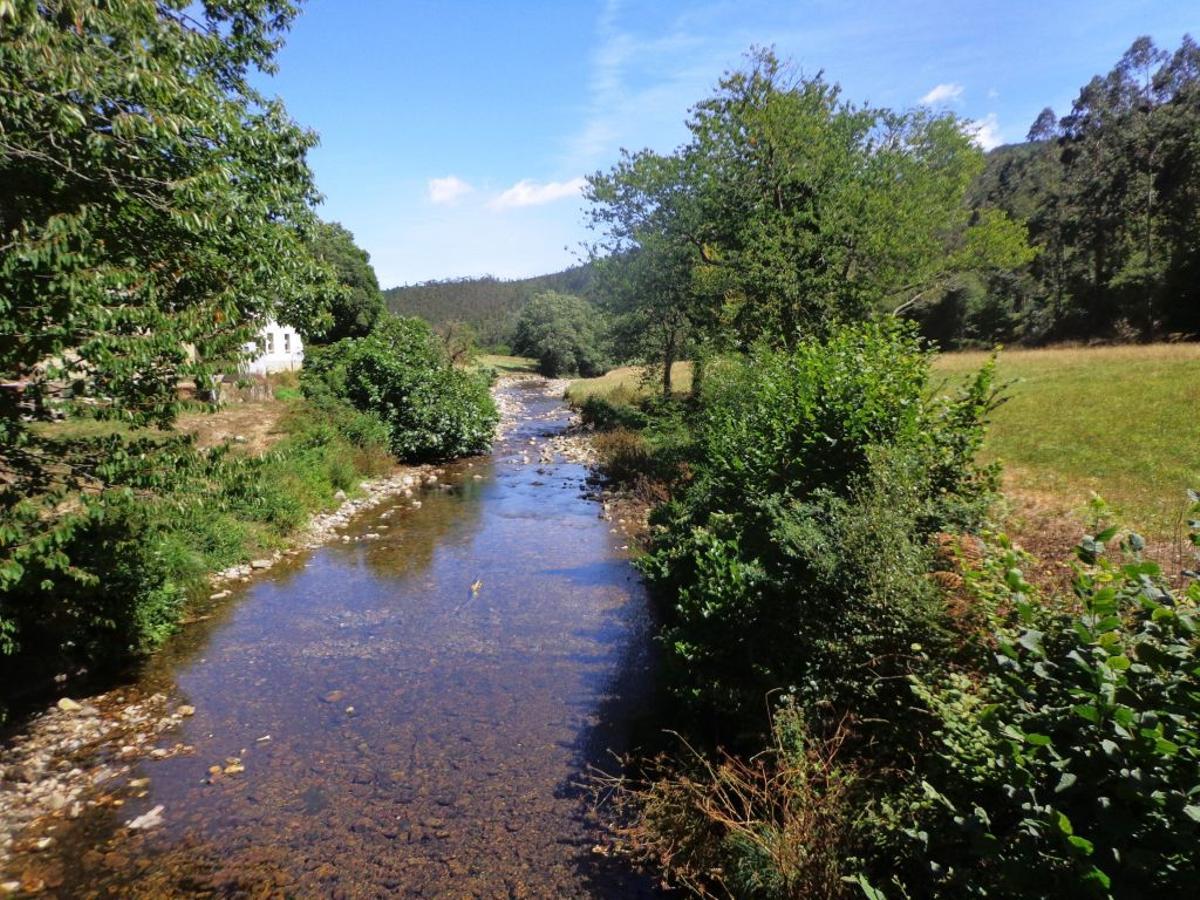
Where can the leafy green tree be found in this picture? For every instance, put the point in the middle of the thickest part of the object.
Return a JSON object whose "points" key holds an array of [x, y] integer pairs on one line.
{"points": [[1110, 199], [800, 210], [153, 212], [358, 302], [564, 333], [400, 373]]}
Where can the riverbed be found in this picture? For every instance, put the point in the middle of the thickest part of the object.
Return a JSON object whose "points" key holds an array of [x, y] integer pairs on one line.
{"points": [[407, 710]]}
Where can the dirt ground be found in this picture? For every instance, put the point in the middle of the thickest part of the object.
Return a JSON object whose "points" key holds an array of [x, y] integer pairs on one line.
{"points": [[1041, 524], [253, 426]]}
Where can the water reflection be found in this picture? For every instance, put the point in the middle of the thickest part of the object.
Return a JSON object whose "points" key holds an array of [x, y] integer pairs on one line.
{"points": [[411, 712]]}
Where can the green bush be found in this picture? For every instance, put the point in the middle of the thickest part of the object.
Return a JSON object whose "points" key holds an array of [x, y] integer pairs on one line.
{"points": [[604, 414], [796, 557], [1070, 765], [399, 374], [564, 333]]}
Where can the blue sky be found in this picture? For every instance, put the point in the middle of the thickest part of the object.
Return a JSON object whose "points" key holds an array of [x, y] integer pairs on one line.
{"points": [[455, 134]]}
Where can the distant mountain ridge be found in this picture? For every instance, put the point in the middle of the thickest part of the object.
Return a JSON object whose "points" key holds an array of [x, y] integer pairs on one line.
{"points": [[491, 305]]}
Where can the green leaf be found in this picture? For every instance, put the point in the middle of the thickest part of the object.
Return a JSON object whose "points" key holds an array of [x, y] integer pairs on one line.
{"points": [[1080, 843], [1064, 782]]}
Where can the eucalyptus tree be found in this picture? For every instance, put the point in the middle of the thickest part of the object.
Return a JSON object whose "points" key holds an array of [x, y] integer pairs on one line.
{"points": [[153, 212]]}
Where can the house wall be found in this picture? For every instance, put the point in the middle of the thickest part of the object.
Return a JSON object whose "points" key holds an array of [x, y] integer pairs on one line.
{"points": [[279, 350]]}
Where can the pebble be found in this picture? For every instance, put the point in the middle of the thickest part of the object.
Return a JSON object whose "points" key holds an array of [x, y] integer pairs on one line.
{"points": [[147, 820], [66, 704]]}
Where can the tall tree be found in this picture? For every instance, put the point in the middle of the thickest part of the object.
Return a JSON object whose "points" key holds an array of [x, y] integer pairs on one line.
{"points": [[798, 210], [153, 208], [358, 302]]}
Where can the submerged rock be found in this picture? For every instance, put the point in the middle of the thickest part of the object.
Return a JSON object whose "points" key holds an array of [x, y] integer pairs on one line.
{"points": [[147, 820]]}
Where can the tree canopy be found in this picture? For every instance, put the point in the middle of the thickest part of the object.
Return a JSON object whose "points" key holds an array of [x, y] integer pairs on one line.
{"points": [[154, 208], [790, 209], [564, 333], [1111, 196], [358, 303]]}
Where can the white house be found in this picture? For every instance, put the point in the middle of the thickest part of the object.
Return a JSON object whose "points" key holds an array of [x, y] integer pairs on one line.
{"points": [[278, 349]]}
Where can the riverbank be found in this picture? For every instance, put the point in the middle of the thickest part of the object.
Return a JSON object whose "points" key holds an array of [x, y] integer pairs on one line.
{"points": [[57, 763], [76, 755], [262, 699]]}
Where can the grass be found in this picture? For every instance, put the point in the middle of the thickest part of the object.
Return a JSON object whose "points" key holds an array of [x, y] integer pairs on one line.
{"points": [[630, 381], [507, 365], [1120, 422]]}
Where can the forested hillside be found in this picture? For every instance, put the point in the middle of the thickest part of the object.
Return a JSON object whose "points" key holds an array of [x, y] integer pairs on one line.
{"points": [[1110, 193], [489, 305]]}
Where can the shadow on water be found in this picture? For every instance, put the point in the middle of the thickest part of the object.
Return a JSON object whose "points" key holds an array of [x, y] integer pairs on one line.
{"points": [[409, 714]]}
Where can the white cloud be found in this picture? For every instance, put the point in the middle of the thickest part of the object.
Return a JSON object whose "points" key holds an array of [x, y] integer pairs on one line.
{"points": [[986, 132], [447, 191], [530, 193], [943, 93]]}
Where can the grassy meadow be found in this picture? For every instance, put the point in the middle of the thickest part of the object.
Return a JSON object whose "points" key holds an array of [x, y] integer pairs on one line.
{"points": [[506, 365], [1121, 422], [629, 381]]}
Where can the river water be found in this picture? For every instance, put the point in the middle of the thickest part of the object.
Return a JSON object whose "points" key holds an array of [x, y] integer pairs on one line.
{"points": [[400, 733]]}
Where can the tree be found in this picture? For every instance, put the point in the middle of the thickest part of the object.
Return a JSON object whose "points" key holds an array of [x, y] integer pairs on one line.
{"points": [[645, 261], [358, 302], [799, 210], [153, 214], [564, 333]]}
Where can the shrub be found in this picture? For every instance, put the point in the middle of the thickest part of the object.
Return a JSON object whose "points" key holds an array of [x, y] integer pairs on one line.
{"points": [[624, 455], [399, 374], [605, 413], [796, 557], [115, 599], [564, 333], [1071, 765], [775, 827]]}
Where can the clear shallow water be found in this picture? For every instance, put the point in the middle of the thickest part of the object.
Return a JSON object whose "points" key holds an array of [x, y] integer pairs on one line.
{"points": [[424, 739]]}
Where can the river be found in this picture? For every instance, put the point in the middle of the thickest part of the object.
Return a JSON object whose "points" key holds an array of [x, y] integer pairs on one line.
{"points": [[403, 715]]}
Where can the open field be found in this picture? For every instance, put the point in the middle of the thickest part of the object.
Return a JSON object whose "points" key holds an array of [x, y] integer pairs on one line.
{"points": [[629, 379], [1122, 422], [507, 365]]}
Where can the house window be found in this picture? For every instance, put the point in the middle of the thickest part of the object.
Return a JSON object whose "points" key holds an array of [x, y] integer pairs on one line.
{"points": [[270, 342], [287, 343]]}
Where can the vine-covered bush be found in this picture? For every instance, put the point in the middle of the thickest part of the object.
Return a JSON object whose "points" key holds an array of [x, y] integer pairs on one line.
{"points": [[400, 374], [796, 558]]}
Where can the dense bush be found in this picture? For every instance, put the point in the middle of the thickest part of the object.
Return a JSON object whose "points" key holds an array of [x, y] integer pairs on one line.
{"points": [[608, 412], [796, 557], [400, 374], [1069, 765], [564, 333]]}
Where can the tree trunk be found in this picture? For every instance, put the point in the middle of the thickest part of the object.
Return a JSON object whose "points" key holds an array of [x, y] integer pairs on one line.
{"points": [[668, 362]]}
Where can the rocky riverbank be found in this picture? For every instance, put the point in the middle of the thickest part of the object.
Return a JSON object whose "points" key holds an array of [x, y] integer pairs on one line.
{"points": [[80, 755]]}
